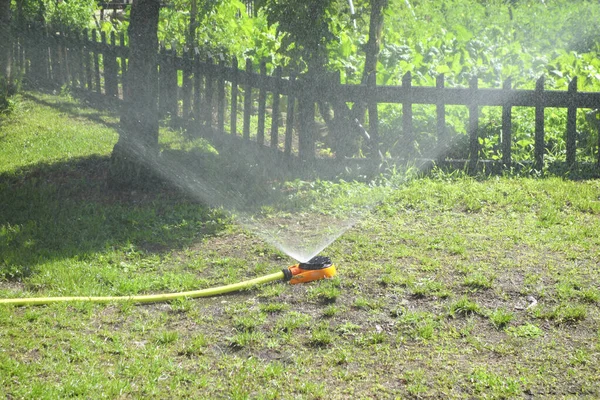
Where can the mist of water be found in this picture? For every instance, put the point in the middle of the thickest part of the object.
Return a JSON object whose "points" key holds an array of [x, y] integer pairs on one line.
{"points": [[273, 200]]}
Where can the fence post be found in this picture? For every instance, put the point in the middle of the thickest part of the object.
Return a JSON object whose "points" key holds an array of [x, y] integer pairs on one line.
{"points": [[110, 65], [221, 97], [96, 54], [123, 50], [234, 96], [247, 99], [442, 134], [407, 117], [373, 114], [306, 122], [186, 83], [262, 100], [275, 110], [289, 119], [539, 124], [79, 66], [87, 59], [507, 128], [571, 124], [208, 92], [473, 127], [197, 89], [173, 85]]}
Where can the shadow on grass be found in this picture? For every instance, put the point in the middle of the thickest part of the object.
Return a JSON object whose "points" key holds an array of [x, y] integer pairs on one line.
{"points": [[94, 108], [65, 210]]}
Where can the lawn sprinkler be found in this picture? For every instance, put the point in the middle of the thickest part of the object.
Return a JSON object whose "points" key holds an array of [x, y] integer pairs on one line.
{"points": [[314, 269]]}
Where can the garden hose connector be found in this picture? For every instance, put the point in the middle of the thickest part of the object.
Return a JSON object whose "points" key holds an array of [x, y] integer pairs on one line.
{"points": [[314, 269]]}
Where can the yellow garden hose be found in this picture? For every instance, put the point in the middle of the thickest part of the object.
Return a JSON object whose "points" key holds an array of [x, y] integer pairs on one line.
{"points": [[316, 268], [148, 298]]}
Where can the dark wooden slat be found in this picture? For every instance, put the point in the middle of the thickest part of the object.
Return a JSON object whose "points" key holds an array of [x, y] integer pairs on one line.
{"points": [[507, 128], [208, 92], [247, 100], [186, 89], [234, 97], [262, 101], [275, 112], [289, 120], [442, 134], [539, 145], [96, 58], [407, 117], [571, 141], [473, 128], [221, 98]]}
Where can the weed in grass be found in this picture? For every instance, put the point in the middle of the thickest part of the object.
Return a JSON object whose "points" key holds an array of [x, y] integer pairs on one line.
{"points": [[246, 339], [197, 345], [590, 295], [494, 385], [270, 291], [331, 310], [340, 356], [366, 304], [527, 331], [393, 276], [478, 280], [501, 317], [464, 306], [567, 314], [292, 320], [429, 288], [377, 337], [347, 328], [273, 308], [321, 336], [416, 382], [249, 322], [580, 357], [418, 324], [166, 337], [182, 305], [324, 293], [562, 314]]}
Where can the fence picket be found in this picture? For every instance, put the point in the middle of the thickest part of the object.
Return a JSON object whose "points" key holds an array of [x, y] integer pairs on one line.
{"points": [[208, 93], [221, 97], [507, 128], [442, 134], [539, 145], [262, 101], [289, 119], [373, 114], [234, 97], [96, 57], [571, 126], [247, 99], [275, 109], [473, 127], [407, 116], [186, 88], [87, 54]]}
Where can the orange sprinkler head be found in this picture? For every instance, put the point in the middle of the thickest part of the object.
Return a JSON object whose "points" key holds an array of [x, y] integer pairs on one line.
{"points": [[314, 269]]}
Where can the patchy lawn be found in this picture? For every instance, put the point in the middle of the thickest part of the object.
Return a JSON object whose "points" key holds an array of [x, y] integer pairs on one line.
{"points": [[452, 288]]}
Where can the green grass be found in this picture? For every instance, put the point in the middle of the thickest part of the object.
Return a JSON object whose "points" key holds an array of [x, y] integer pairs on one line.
{"points": [[430, 299]]}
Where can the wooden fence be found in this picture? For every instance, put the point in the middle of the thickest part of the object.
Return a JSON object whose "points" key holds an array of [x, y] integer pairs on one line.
{"points": [[276, 111]]}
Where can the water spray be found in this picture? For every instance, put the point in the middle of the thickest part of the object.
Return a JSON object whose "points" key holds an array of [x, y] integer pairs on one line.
{"points": [[314, 269]]}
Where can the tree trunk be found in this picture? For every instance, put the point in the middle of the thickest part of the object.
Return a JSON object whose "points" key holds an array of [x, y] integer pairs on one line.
{"points": [[6, 82], [371, 51], [137, 149]]}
